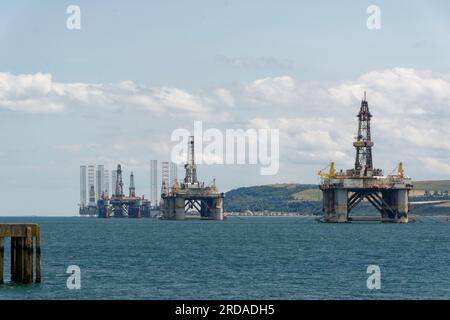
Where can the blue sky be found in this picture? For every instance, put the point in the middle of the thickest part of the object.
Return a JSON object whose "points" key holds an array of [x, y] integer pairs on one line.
{"points": [[299, 66]]}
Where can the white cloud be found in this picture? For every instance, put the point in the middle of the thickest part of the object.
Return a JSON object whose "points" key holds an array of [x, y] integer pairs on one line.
{"points": [[38, 93], [226, 97], [410, 109], [436, 165], [398, 91], [311, 140], [18, 93], [181, 100], [270, 91], [316, 120]]}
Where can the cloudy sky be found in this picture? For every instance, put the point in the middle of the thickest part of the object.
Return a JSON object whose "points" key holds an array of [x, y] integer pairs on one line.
{"points": [[114, 91]]}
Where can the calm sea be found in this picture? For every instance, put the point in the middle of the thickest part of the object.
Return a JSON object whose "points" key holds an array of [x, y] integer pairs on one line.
{"points": [[240, 258]]}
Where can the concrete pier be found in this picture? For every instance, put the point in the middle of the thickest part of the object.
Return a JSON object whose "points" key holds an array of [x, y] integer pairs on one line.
{"points": [[24, 238]]}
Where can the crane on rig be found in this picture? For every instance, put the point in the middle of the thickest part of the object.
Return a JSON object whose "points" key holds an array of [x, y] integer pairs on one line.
{"points": [[328, 172]]}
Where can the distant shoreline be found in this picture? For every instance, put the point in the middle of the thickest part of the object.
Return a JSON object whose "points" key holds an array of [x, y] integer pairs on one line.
{"points": [[440, 215]]}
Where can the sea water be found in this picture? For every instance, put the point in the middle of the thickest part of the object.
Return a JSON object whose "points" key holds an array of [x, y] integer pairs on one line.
{"points": [[239, 258]]}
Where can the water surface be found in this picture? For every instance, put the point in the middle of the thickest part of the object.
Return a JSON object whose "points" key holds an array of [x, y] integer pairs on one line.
{"points": [[240, 258]]}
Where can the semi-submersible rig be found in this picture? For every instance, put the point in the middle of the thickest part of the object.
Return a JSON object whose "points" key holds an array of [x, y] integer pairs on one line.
{"points": [[118, 205], [191, 194], [343, 191]]}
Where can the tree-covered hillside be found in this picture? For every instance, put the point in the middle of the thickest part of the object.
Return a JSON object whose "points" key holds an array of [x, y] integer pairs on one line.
{"points": [[272, 198], [307, 199]]}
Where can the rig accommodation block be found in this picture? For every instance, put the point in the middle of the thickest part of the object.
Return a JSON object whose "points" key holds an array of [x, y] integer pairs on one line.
{"points": [[343, 191], [191, 195]]}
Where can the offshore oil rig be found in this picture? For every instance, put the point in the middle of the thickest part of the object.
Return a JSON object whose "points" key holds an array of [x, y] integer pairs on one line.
{"points": [[343, 191], [191, 194], [118, 205]]}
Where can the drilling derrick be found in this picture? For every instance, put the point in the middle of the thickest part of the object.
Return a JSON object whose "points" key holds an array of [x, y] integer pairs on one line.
{"points": [[119, 206], [343, 191], [191, 196], [190, 166], [119, 183], [363, 143], [132, 187], [134, 204]]}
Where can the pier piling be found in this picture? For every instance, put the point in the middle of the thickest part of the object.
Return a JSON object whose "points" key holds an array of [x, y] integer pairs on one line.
{"points": [[2, 255], [22, 251]]}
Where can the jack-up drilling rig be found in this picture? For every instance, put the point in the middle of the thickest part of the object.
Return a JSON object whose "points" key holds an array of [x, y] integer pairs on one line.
{"points": [[191, 194], [343, 191], [91, 209]]}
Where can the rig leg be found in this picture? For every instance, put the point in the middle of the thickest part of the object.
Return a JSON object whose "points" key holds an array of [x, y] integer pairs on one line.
{"points": [[217, 209], [335, 205], [180, 212], [328, 204], [341, 205], [402, 205]]}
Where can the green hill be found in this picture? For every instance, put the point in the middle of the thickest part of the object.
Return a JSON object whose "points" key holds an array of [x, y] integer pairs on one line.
{"points": [[279, 197], [437, 185], [307, 198]]}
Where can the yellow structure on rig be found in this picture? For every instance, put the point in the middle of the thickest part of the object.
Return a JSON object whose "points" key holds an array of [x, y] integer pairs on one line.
{"points": [[331, 173]]}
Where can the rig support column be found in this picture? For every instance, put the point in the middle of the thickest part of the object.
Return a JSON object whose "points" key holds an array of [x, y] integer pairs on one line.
{"points": [[328, 203], [335, 205], [402, 203], [389, 202], [180, 213], [217, 209], [341, 205]]}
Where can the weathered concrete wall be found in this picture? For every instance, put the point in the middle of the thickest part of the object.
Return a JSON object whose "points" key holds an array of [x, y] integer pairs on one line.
{"points": [[217, 209], [22, 251], [180, 213], [341, 204]]}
